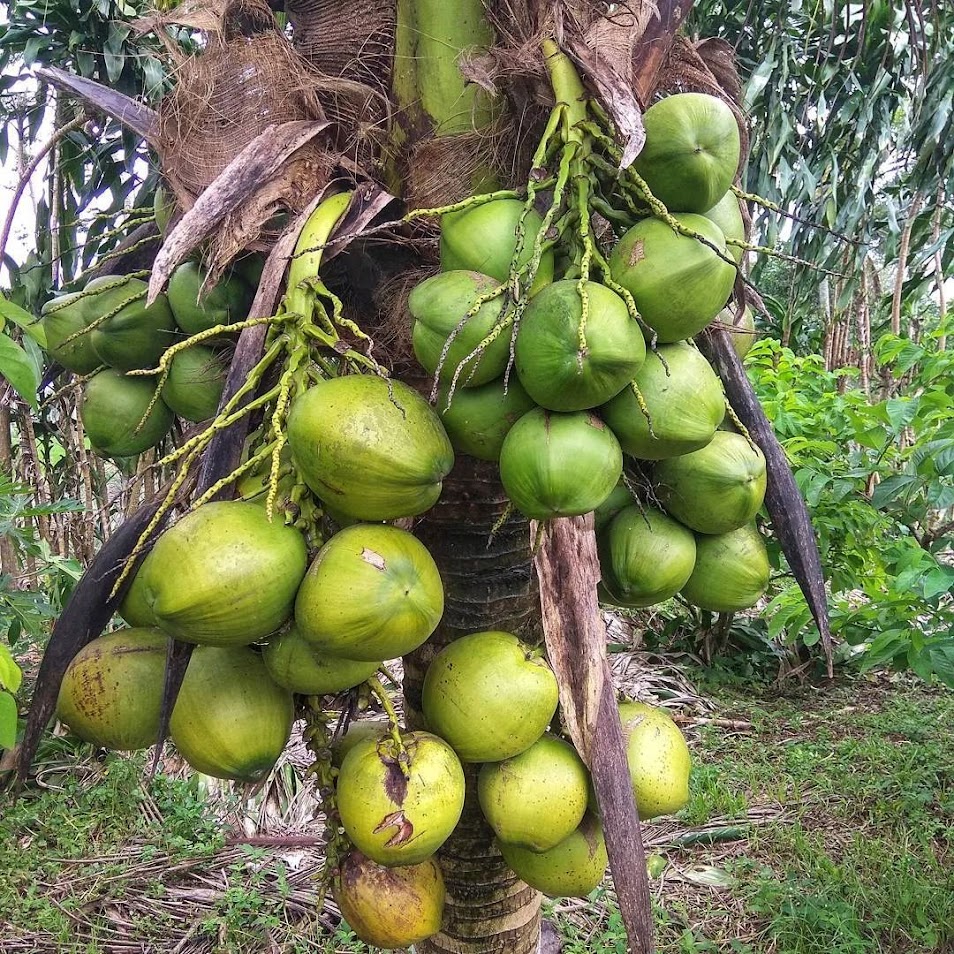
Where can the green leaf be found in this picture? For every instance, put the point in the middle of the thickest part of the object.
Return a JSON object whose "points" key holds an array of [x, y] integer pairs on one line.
{"points": [[8, 721], [901, 411], [10, 674], [23, 319], [19, 370], [892, 487]]}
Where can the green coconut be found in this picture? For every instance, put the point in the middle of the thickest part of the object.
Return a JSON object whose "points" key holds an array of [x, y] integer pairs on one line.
{"points": [[113, 406], [194, 311], [537, 798], [571, 869], [390, 908], [559, 465], [397, 807], [620, 497], [678, 284], [478, 419], [658, 758], [372, 593], [111, 692], [134, 608], [224, 575], [195, 383], [645, 557], [489, 695], [441, 308], [727, 214], [293, 664], [716, 489], [483, 239], [741, 329], [67, 315], [230, 719], [561, 373], [163, 208], [692, 151], [359, 731], [373, 449], [683, 397], [137, 334], [731, 573]]}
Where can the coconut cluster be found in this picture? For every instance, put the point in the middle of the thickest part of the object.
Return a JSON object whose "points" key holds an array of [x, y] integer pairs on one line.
{"points": [[107, 330], [573, 389], [562, 396]]}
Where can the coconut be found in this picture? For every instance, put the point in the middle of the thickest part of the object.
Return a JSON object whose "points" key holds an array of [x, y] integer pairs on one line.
{"points": [[571, 869], [390, 908], [136, 335], [489, 695], [230, 719], [194, 311], [678, 283], [727, 214], [483, 238], [357, 731], [716, 489], [441, 307], [555, 367], [645, 557], [559, 465], [398, 807], [111, 692], [371, 448], [372, 593], [134, 608], [67, 315], [478, 419], [692, 151], [195, 383], [293, 664], [731, 573], [658, 758], [620, 497], [537, 798], [740, 327], [112, 409], [683, 397], [224, 574]]}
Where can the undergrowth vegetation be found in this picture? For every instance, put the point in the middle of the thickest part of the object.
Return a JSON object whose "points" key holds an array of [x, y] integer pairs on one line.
{"points": [[821, 822]]}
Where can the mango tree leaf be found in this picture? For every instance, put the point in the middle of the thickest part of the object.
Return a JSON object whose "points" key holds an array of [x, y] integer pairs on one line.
{"points": [[8, 721], [23, 319], [891, 488], [19, 370], [10, 674]]}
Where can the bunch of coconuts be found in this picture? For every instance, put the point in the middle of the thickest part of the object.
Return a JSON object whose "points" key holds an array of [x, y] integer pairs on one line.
{"points": [[270, 622], [562, 404], [106, 330]]}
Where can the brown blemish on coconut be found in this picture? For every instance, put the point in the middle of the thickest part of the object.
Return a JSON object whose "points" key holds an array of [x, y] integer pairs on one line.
{"points": [[637, 252], [374, 559], [404, 829]]}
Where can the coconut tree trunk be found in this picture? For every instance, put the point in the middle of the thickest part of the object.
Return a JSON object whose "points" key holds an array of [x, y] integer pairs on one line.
{"points": [[489, 584]]}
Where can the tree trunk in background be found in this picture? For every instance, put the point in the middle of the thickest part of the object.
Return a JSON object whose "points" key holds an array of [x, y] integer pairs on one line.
{"points": [[939, 269], [903, 252], [8, 558], [488, 584]]}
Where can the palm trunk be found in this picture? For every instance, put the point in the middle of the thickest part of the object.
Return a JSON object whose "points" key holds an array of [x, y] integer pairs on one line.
{"points": [[489, 584]]}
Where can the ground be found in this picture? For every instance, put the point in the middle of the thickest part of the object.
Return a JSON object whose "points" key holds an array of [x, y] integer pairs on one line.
{"points": [[821, 822]]}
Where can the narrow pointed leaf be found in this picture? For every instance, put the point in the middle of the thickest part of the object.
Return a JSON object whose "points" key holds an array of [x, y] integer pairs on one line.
{"points": [[784, 502]]}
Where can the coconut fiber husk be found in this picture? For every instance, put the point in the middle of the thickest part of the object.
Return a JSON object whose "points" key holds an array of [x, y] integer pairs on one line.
{"points": [[246, 79]]}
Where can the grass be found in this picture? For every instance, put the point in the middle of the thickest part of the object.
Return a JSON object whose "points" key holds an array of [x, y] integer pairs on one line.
{"points": [[824, 825]]}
